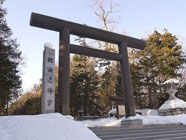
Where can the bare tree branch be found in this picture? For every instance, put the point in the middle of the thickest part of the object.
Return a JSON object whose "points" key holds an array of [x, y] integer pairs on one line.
{"points": [[106, 13]]}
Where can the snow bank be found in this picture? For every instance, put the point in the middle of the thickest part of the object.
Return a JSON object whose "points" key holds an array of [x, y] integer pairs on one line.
{"points": [[43, 127], [147, 120], [102, 122]]}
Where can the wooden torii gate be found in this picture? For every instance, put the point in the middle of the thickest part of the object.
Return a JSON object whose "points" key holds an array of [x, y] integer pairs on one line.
{"points": [[65, 28]]}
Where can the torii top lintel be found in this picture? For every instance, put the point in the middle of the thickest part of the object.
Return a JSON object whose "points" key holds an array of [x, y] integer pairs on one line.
{"points": [[55, 24]]}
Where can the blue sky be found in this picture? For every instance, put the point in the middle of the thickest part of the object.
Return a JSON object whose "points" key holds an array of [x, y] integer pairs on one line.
{"points": [[138, 19]]}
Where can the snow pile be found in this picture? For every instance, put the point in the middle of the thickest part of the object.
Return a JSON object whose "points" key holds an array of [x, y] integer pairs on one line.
{"points": [[172, 81], [102, 122], [147, 120], [112, 112], [146, 112], [171, 104], [43, 127]]}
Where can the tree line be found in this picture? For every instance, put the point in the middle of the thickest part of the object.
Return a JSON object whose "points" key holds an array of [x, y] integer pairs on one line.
{"points": [[90, 88]]}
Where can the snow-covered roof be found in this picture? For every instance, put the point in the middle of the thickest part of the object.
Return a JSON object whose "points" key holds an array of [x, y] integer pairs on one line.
{"points": [[171, 104], [172, 81]]}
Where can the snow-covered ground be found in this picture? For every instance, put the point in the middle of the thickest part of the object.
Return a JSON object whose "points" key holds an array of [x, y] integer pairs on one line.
{"points": [[58, 127], [112, 121], [43, 127], [147, 120]]}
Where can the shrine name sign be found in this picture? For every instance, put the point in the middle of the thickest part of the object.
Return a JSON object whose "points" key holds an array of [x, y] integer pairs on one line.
{"points": [[48, 89]]}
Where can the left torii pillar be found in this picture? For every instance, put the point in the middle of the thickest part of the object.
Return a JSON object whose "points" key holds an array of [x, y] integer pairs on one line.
{"points": [[64, 72]]}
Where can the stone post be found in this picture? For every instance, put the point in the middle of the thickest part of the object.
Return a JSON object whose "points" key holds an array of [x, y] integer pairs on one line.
{"points": [[48, 89]]}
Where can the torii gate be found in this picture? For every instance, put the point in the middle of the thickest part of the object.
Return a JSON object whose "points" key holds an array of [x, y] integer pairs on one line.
{"points": [[65, 28]]}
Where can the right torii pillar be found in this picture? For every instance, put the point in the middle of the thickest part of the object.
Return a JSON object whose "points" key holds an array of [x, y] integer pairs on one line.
{"points": [[126, 81]]}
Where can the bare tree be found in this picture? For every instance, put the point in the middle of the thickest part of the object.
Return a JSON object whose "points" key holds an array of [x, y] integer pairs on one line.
{"points": [[107, 13]]}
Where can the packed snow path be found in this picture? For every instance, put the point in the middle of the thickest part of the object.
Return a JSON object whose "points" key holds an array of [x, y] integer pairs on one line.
{"points": [[144, 132]]}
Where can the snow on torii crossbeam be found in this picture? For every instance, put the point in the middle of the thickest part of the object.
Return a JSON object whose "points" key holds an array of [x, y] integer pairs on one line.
{"points": [[65, 28]]}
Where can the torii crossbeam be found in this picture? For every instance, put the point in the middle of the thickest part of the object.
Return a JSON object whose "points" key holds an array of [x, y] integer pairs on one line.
{"points": [[65, 28]]}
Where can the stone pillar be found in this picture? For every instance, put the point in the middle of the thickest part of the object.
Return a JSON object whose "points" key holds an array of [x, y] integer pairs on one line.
{"points": [[126, 81], [64, 73], [48, 89]]}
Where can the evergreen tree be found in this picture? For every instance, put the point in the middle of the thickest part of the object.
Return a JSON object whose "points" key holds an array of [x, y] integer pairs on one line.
{"points": [[84, 85], [181, 93], [10, 58], [160, 60], [119, 85], [138, 87]]}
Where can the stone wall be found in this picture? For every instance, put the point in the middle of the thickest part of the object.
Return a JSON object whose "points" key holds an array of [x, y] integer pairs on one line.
{"points": [[172, 112]]}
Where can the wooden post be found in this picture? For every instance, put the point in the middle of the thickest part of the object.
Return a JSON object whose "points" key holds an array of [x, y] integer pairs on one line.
{"points": [[64, 72], [126, 80]]}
